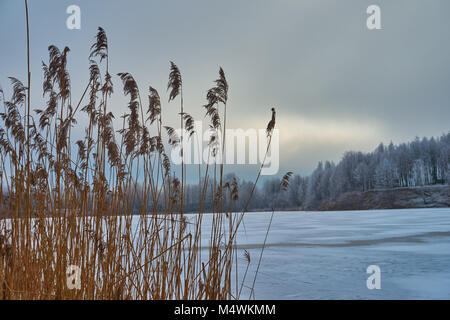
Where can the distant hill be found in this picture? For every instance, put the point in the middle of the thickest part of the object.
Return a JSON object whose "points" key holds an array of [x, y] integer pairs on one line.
{"points": [[435, 196]]}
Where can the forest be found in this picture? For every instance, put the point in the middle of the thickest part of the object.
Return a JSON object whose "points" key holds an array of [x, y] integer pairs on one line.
{"points": [[420, 162]]}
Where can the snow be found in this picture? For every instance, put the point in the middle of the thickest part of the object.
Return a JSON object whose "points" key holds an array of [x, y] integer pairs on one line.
{"points": [[324, 255]]}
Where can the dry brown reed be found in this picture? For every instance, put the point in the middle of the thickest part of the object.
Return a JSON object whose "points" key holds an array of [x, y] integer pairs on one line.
{"points": [[65, 208]]}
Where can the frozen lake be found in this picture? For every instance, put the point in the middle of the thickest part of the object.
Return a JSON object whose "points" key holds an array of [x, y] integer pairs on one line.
{"points": [[324, 255]]}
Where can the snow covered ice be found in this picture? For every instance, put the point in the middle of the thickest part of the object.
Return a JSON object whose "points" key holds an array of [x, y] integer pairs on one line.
{"points": [[324, 255]]}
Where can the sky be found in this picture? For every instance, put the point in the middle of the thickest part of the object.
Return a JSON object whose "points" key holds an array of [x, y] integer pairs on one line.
{"points": [[336, 85]]}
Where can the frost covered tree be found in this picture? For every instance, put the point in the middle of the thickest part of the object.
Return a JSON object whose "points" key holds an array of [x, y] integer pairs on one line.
{"points": [[386, 175], [420, 162]]}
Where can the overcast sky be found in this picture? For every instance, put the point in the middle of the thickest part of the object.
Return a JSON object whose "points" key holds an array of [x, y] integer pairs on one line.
{"points": [[337, 86]]}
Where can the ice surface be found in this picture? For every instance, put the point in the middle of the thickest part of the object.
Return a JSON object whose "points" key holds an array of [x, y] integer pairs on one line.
{"points": [[324, 255]]}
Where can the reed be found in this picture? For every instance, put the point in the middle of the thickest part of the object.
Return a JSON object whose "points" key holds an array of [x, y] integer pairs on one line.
{"points": [[63, 208]]}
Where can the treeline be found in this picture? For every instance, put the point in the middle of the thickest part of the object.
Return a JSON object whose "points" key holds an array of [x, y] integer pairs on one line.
{"points": [[417, 163]]}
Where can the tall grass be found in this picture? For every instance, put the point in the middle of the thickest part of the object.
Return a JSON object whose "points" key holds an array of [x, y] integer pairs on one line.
{"points": [[67, 202]]}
